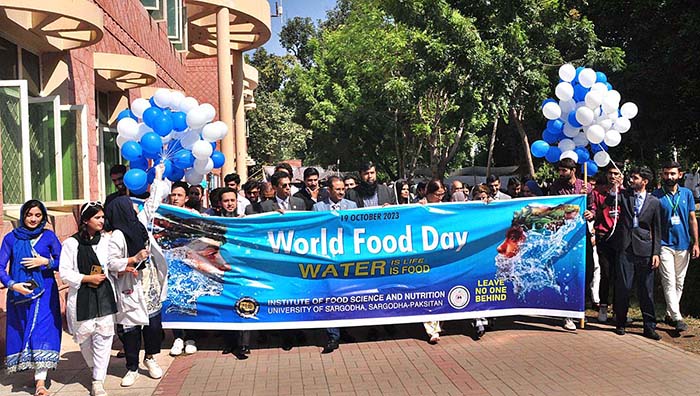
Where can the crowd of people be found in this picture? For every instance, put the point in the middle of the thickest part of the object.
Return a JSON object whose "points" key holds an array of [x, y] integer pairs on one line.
{"points": [[117, 274]]}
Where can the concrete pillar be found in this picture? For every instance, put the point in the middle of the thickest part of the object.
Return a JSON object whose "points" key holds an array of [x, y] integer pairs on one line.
{"points": [[239, 112], [223, 55]]}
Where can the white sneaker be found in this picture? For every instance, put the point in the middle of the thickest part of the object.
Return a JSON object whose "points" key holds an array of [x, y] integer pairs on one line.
{"points": [[98, 389], [569, 324], [130, 378], [178, 346], [154, 370], [603, 313], [190, 347]]}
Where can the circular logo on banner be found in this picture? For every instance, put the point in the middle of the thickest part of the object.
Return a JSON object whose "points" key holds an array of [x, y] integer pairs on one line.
{"points": [[458, 297], [247, 307]]}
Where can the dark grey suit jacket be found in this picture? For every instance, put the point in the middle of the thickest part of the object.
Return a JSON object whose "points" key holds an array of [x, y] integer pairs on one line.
{"points": [[385, 195], [294, 204], [644, 240]]}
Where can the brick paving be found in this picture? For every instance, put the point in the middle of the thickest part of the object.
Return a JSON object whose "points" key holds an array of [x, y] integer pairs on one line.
{"points": [[523, 356]]}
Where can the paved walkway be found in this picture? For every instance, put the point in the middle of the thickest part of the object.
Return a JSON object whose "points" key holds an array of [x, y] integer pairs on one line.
{"points": [[524, 356]]}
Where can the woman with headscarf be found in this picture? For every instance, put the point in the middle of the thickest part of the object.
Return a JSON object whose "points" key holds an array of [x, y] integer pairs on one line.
{"points": [[532, 189], [139, 285], [91, 303], [33, 309]]}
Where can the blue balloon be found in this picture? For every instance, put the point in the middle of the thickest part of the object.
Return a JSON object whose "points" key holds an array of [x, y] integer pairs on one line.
{"points": [[139, 163], [213, 146], [539, 148], [149, 116], [131, 151], [553, 154], [135, 179], [549, 136], [162, 125], [601, 77], [126, 113], [140, 191], [168, 164], [153, 103], [176, 174], [544, 102], [179, 120], [155, 155], [151, 143], [610, 87], [580, 92], [583, 155], [218, 158], [572, 119], [151, 174], [167, 112], [183, 159], [578, 71], [555, 125], [592, 167]]}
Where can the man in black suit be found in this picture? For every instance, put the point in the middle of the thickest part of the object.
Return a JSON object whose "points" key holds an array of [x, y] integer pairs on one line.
{"points": [[312, 191], [370, 193], [638, 238], [283, 200]]}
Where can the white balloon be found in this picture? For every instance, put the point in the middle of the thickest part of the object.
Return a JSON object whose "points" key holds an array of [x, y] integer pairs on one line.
{"points": [[138, 106], [189, 139], [121, 140], [128, 127], [622, 124], [567, 72], [202, 149], [612, 138], [601, 158], [569, 154], [222, 128], [188, 104], [609, 105], [595, 134], [193, 177], [566, 145], [143, 129], [613, 116], [196, 118], [204, 166], [599, 87], [570, 130], [606, 123], [584, 115], [210, 132], [551, 111], [594, 99], [629, 110], [580, 140], [162, 97], [175, 98], [209, 111], [587, 77], [567, 106], [564, 91], [615, 95]]}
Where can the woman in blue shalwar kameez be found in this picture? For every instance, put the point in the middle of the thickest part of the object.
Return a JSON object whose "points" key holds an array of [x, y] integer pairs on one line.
{"points": [[33, 309]]}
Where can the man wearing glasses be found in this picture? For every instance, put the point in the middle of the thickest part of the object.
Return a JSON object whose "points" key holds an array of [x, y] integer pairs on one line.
{"points": [[283, 199]]}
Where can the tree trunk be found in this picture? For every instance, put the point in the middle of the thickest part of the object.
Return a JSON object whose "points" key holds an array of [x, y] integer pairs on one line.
{"points": [[492, 143], [517, 116]]}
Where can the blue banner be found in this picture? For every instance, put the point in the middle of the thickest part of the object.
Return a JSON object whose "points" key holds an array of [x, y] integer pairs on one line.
{"points": [[397, 264]]}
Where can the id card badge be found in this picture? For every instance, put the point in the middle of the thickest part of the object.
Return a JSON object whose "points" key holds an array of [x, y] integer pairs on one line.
{"points": [[675, 220], [635, 222]]}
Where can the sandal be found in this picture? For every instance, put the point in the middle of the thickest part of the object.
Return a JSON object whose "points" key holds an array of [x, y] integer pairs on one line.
{"points": [[41, 391]]}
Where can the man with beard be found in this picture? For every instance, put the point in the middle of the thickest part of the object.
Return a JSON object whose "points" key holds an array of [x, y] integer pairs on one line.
{"points": [[117, 174], [369, 193], [312, 191], [251, 188], [638, 240], [679, 239]]}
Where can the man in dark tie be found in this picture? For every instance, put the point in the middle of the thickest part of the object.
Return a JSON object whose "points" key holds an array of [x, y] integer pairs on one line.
{"points": [[283, 200], [638, 239], [334, 201]]}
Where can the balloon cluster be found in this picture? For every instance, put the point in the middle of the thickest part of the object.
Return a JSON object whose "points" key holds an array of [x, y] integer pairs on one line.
{"points": [[588, 113], [173, 130]]}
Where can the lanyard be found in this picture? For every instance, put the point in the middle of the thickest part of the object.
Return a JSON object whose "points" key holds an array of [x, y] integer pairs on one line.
{"points": [[674, 205]]}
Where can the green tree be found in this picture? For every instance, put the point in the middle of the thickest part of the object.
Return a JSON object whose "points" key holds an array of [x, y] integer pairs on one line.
{"points": [[296, 36]]}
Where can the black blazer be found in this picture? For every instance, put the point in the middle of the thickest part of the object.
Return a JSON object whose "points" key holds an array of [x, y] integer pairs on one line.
{"points": [[294, 204], [304, 194], [645, 240], [385, 195], [253, 208]]}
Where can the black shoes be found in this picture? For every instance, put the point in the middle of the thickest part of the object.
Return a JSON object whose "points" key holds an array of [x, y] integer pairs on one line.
{"points": [[651, 334], [620, 331], [330, 347]]}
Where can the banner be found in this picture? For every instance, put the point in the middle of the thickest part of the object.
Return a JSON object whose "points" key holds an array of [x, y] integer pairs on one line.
{"points": [[397, 264]]}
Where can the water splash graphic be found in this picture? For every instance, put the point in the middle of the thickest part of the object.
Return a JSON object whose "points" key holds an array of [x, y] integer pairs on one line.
{"points": [[532, 268], [186, 285]]}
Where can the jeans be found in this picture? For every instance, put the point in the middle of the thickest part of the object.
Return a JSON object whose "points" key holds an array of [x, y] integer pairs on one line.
{"points": [[132, 340]]}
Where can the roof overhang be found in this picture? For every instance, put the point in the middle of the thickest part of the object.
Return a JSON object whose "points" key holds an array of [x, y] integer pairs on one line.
{"points": [[125, 71]]}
